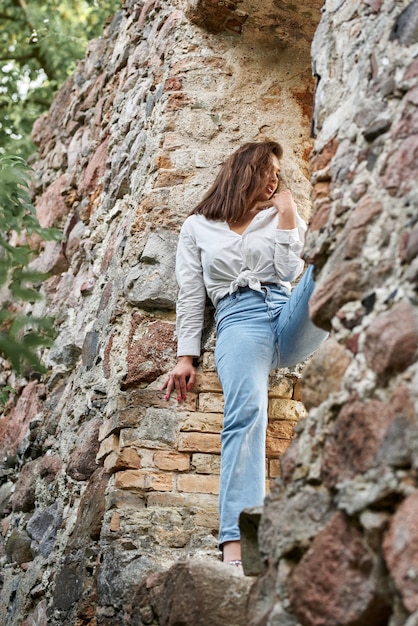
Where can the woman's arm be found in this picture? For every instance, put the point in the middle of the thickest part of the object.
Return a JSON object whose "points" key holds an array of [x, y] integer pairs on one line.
{"points": [[289, 237], [190, 311], [181, 378], [286, 208]]}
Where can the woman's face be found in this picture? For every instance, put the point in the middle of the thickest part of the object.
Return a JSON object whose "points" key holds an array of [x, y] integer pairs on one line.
{"points": [[271, 180]]}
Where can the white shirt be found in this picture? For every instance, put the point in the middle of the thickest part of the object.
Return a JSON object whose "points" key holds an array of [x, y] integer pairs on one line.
{"points": [[213, 259]]}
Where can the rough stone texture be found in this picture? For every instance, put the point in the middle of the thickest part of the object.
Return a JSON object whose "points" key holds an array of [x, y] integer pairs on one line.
{"points": [[194, 594], [152, 283], [335, 582], [356, 449], [108, 494], [82, 461], [104, 481], [357, 436], [43, 527], [400, 547], [14, 426], [323, 374], [391, 341]]}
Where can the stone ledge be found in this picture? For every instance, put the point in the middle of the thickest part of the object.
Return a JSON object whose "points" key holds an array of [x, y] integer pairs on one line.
{"points": [[194, 593]]}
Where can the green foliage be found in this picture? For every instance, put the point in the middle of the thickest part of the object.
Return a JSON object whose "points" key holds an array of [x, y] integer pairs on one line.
{"points": [[40, 43], [5, 394], [20, 335]]}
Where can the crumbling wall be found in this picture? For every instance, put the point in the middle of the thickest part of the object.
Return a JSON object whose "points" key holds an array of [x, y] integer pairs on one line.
{"points": [[339, 535], [107, 488], [103, 481]]}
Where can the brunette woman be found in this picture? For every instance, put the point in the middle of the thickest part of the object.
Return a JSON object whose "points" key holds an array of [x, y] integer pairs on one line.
{"points": [[241, 246]]}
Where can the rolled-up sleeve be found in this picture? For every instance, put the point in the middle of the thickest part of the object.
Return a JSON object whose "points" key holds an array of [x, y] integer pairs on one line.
{"points": [[287, 251], [192, 294]]}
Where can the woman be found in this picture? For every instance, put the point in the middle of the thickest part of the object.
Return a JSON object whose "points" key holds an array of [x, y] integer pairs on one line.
{"points": [[241, 246]]}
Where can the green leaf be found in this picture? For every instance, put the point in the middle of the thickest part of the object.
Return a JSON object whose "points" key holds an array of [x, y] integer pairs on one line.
{"points": [[41, 42], [21, 336]]}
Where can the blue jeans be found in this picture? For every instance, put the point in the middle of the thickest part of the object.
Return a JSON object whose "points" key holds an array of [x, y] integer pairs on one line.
{"points": [[256, 332]]}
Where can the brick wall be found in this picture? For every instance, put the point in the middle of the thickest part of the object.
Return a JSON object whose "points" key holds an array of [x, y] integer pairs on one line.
{"points": [[173, 457]]}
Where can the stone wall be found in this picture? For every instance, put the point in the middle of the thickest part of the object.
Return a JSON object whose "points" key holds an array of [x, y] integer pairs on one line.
{"points": [[106, 487], [339, 535], [103, 481]]}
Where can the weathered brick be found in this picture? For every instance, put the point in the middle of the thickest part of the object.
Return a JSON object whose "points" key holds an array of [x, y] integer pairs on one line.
{"points": [[139, 399], [207, 381], [275, 447], [283, 409], [207, 516], [147, 457], [157, 428], [143, 480], [205, 505], [119, 419], [206, 463], [198, 483], [282, 429], [108, 445], [119, 499], [297, 390], [127, 458], [164, 499], [198, 442], [211, 403], [269, 484], [282, 388], [172, 461], [274, 468], [202, 422]]}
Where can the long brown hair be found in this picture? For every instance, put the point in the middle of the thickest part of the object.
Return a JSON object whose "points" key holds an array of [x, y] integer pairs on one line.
{"points": [[239, 182]]}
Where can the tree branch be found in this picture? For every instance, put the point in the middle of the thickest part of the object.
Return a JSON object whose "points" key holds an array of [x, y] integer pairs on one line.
{"points": [[36, 49]]}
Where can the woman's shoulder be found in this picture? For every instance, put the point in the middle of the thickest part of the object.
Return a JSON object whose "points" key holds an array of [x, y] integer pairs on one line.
{"points": [[199, 221]]}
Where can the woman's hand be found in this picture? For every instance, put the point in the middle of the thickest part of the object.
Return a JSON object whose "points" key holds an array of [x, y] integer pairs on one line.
{"points": [[286, 208], [181, 379]]}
